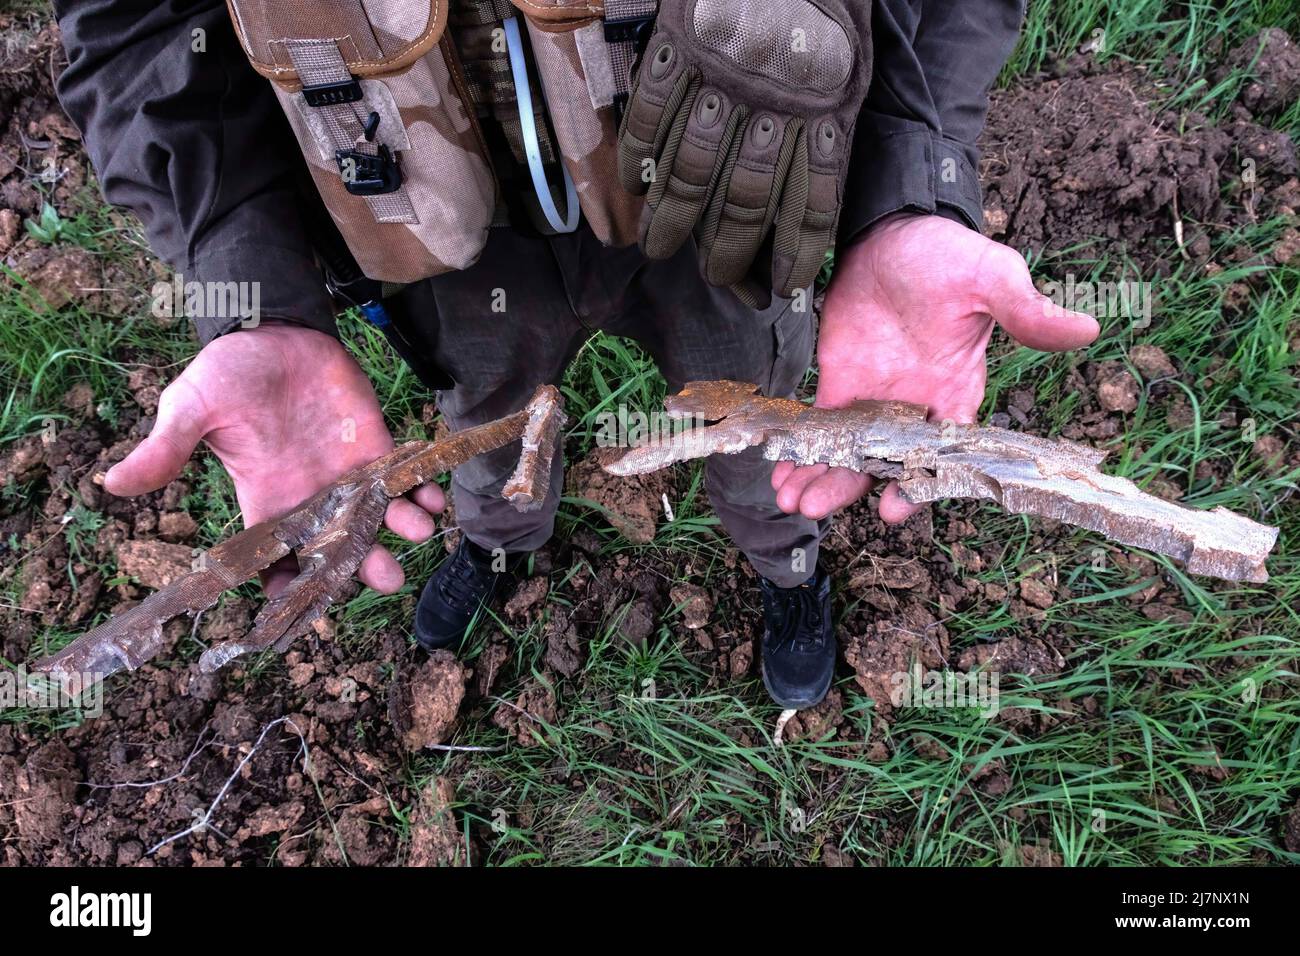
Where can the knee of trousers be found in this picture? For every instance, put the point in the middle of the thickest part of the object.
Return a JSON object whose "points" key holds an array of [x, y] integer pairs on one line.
{"points": [[487, 473], [743, 479]]}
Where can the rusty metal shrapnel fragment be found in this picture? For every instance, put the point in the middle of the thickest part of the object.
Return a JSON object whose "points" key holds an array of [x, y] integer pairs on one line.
{"points": [[1023, 473], [330, 533], [526, 489]]}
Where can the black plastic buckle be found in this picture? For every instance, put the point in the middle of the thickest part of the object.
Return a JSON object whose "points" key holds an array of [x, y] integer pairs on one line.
{"points": [[333, 94], [369, 174], [630, 30], [356, 292]]}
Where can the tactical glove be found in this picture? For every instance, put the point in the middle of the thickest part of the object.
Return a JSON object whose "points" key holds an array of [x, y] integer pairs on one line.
{"points": [[739, 128]]}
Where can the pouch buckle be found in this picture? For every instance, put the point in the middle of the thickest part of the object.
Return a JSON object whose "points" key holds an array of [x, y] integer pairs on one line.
{"points": [[630, 30], [333, 94], [369, 174]]}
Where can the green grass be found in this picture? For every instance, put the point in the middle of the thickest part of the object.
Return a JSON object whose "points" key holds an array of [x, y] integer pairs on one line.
{"points": [[1143, 30], [1163, 741], [1180, 42]]}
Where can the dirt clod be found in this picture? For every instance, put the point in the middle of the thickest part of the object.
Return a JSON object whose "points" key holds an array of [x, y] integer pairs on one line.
{"points": [[816, 723], [425, 700], [632, 505], [435, 837], [1151, 361], [56, 278], [525, 716], [154, 564], [1291, 829], [1118, 391], [528, 596], [1080, 159], [1014, 655], [695, 602]]}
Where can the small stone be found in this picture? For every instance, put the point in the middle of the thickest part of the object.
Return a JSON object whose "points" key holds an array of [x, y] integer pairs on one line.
{"points": [[10, 226], [695, 603], [1151, 361], [1037, 593], [741, 660], [1118, 393], [177, 526], [80, 399]]}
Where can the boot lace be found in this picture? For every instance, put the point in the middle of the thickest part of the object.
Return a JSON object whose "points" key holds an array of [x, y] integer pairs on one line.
{"points": [[798, 618], [464, 584]]}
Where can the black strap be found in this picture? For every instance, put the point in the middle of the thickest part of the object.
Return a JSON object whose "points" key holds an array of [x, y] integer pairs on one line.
{"points": [[347, 283]]}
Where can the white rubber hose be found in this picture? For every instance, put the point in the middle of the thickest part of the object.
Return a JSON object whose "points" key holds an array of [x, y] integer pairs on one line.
{"points": [[524, 96]]}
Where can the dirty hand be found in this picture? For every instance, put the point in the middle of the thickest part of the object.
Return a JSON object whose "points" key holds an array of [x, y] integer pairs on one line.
{"points": [[908, 316], [287, 411]]}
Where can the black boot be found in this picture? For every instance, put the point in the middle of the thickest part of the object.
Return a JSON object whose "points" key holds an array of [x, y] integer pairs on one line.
{"points": [[798, 641], [461, 585]]}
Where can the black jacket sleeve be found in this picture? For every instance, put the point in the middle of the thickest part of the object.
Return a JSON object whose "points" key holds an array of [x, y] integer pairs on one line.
{"points": [[914, 146], [185, 134]]}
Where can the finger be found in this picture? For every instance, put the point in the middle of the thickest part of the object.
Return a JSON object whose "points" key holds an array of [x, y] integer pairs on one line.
{"points": [[894, 508], [780, 473], [791, 491], [745, 201], [658, 92], [805, 228], [693, 162], [431, 498], [161, 456], [277, 577], [1030, 317], [836, 489], [380, 570], [408, 520]]}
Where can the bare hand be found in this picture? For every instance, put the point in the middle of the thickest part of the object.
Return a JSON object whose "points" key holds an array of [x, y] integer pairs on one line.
{"points": [[287, 410], [908, 316]]}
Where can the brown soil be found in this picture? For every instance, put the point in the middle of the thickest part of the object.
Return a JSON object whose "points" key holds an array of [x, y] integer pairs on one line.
{"points": [[1083, 160]]}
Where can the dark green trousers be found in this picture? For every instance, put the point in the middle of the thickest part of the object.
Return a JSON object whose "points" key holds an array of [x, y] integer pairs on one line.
{"points": [[550, 294]]}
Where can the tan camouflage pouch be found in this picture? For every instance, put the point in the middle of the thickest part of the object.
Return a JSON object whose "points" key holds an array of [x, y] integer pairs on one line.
{"points": [[577, 63], [375, 96]]}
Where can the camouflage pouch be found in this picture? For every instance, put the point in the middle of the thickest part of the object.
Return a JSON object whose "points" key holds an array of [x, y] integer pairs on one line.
{"points": [[377, 100], [572, 51]]}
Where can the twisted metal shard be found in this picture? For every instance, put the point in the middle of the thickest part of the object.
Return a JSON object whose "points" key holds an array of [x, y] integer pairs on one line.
{"points": [[329, 533], [1024, 474]]}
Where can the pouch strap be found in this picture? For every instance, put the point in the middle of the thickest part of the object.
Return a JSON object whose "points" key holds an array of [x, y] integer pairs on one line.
{"points": [[628, 25], [331, 89]]}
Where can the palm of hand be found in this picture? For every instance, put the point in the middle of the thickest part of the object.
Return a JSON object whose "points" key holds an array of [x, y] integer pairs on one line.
{"points": [[287, 411], [288, 417], [909, 328], [909, 316]]}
